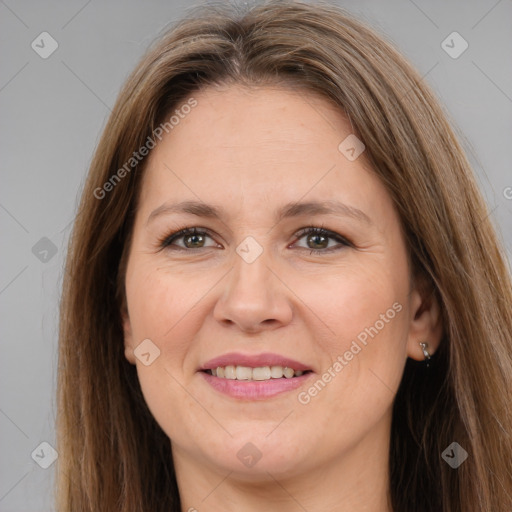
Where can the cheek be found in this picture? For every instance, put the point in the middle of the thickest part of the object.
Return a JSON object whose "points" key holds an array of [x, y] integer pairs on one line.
{"points": [[161, 310], [359, 304], [159, 302], [175, 410], [160, 307], [366, 311]]}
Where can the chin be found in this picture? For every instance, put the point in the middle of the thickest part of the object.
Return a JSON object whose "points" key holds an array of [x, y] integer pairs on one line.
{"points": [[253, 457]]}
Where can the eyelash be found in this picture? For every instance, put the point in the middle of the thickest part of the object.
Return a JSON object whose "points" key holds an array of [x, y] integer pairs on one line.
{"points": [[167, 240]]}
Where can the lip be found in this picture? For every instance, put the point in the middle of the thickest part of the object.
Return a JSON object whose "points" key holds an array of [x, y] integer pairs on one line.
{"points": [[254, 390], [254, 361]]}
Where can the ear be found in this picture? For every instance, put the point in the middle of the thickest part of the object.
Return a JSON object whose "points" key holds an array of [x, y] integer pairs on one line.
{"points": [[426, 319], [128, 336]]}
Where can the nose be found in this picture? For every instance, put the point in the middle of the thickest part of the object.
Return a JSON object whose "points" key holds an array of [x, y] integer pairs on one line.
{"points": [[255, 298]]}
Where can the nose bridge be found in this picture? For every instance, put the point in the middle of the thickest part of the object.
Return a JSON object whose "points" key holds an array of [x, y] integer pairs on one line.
{"points": [[251, 276], [252, 294]]}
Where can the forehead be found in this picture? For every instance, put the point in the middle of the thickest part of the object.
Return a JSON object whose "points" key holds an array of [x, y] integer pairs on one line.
{"points": [[255, 147], [234, 118]]}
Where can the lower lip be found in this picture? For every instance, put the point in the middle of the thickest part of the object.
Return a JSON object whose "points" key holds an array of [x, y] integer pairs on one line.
{"points": [[254, 389]]}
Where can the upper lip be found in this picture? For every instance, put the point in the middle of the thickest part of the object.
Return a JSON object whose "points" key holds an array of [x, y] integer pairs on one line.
{"points": [[253, 361]]}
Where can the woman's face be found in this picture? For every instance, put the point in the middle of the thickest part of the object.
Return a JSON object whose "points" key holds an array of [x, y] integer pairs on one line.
{"points": [[252, 289]]}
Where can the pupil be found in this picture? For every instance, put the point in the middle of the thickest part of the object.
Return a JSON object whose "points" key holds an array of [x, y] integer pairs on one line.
{"points": [[193, 237], [318, 236]]}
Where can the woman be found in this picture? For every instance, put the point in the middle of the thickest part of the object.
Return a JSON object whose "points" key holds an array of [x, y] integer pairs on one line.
{"points": [[283, 290]]}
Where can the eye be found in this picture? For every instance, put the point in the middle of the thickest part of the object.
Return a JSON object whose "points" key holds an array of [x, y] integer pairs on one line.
{"points": [[193, 238], [318, 240]]}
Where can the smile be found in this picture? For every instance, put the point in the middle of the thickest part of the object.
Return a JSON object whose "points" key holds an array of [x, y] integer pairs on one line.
{"points": [[260, 373], [254, 376]]}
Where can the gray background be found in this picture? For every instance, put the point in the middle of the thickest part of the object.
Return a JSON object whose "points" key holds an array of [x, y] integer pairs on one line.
{"points": [[52, 114]]}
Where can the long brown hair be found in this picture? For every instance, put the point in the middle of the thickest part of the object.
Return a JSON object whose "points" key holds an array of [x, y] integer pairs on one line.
{"points": [[112, 454]]}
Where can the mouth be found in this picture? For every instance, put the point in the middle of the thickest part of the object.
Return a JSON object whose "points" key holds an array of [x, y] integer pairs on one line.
{"points": [[260, 373], [254, 377]]}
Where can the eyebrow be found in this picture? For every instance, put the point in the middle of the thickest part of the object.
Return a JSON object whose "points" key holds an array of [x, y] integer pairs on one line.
{"points": [[287, 211]]}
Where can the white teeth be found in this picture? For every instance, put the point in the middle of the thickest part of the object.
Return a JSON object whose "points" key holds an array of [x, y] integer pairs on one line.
{"points": [[288, 372], [276, 372], [243, 373], [261, 373], [229, 372]]}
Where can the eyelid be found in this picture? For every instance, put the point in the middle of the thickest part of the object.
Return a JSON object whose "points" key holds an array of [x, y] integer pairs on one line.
{"points": [[326, 232], [167, 240]]}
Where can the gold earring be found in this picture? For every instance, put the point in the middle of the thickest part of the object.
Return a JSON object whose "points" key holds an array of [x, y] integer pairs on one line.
{"points": [[424, 347]]}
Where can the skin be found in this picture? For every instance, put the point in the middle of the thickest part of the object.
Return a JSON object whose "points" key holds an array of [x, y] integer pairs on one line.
{"points": [[250, 151]]}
